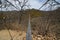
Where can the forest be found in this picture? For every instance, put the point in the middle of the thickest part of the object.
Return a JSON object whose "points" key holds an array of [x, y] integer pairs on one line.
{"points": [[19, 21]]}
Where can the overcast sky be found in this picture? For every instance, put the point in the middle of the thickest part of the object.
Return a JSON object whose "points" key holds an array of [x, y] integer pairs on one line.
{"points": [[36, 4]]}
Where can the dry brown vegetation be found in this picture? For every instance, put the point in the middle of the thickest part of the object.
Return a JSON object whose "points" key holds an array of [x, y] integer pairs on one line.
{"points": [[44, 25]]}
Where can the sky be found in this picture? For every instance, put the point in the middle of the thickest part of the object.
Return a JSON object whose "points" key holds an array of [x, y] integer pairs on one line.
{"points": [[36, 4]]}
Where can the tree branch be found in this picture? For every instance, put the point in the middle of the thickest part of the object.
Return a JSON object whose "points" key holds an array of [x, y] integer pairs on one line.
{"points": [[57, 3], [44, 4], [11, 4]]}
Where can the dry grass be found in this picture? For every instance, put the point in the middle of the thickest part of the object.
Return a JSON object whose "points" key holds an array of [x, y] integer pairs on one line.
{"points": [[18, 35], [4, 35]]}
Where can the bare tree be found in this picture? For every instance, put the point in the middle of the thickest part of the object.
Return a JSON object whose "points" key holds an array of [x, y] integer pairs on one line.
{"points": [[45, 23], [48, 21], [6, 3], [50, 2], [22, 4]]}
